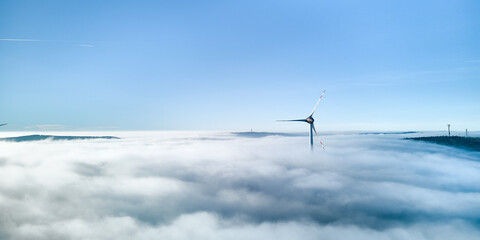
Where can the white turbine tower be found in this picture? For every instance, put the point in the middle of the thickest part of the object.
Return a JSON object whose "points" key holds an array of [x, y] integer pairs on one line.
{"points": [[310, 121]]}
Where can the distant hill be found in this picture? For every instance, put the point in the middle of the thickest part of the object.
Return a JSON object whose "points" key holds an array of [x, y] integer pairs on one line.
{"points": [[469, 143], [53, 138]]}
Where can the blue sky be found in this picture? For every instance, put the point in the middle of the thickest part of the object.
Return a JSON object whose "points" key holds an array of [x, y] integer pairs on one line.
{"points": [[237, 65]]}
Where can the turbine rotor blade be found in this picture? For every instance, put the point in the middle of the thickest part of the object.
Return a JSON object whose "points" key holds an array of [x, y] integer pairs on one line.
{"points": [[3, 124], [295, 120], [313, 126], [317, 103], [323, 146], [311, 136], [321, 143]]}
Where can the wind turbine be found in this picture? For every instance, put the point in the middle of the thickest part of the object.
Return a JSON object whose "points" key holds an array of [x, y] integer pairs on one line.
{"points": [[310, 121]]}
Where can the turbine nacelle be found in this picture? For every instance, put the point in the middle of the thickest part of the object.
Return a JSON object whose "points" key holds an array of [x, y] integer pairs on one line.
{"points": [[310, 120]]}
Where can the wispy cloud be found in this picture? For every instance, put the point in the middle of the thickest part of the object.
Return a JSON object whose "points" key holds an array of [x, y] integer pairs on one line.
{"points": [[20, 40], [77, 43]]}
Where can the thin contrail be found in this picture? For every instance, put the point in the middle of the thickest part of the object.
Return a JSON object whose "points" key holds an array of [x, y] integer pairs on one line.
{"points": [[20, 40]]}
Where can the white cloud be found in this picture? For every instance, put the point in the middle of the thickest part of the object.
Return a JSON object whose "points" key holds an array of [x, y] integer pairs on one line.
{"points": [[207, 185]]}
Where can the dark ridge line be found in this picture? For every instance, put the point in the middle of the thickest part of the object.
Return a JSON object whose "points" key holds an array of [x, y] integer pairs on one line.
{"points": [[467, 143]]}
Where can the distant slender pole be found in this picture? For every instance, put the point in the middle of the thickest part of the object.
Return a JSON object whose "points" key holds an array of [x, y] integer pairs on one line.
{"points": [[448, 129], [466, 133]]}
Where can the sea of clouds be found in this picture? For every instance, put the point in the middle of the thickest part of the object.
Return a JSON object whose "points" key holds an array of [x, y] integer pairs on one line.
{"points": [[216, 185]]}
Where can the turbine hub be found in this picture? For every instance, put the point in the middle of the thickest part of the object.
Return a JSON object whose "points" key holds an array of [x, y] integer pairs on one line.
{"points": [[310, 120]]}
